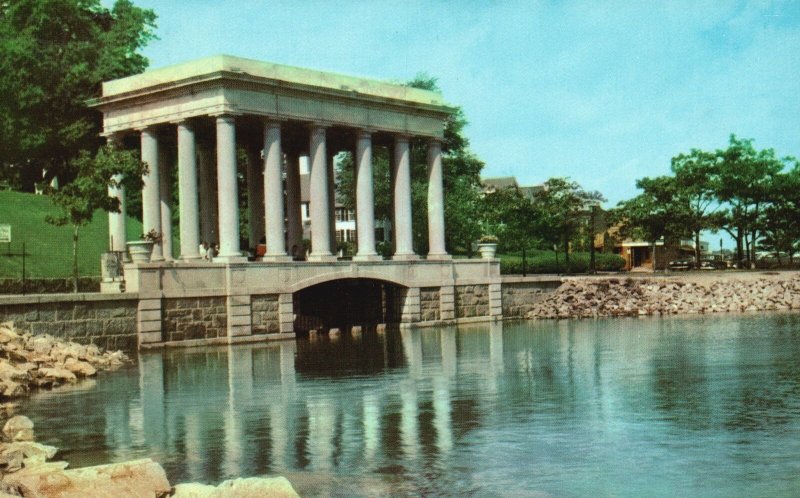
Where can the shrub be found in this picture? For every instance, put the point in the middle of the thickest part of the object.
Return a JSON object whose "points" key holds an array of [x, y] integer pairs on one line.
{"points": [[545, 262]]}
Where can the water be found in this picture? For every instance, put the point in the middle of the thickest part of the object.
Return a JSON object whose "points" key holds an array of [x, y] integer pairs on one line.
{"points": [[701, 406]]}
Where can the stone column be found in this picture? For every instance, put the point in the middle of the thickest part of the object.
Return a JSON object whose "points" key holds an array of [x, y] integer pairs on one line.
{"points": [[319, 198], [227, 195], [151, 204], [403, 232], [294, 218], [116, 221], [273, 192], [187, 192], [208, 201], [165, 199], [255, 196], [436, 249], [365, 199], [332, 199]]}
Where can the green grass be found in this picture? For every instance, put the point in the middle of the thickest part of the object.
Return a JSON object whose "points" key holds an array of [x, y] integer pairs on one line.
{"points": [[49, 248]]}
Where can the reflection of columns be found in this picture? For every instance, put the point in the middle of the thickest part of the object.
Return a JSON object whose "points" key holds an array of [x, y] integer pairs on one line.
{"points": [[449, 351], [409, 420], [412, 349], [496, 345], [227, 195], [436, 249], [372, 427], [442, 421], [279, 436], [187, 191], [192, 442], [208, 201], [319, 197], [365, 199], [294, 217], [255, 197], [165, 198], [151, 389], [240, 388], [403, 233], [273, 192], [321, 428], [151, 204]]}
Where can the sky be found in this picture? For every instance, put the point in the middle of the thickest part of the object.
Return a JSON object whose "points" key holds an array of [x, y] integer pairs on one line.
{"points": [[600, 92]]}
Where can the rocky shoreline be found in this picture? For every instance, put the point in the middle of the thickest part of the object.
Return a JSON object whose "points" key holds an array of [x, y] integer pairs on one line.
{"points": [[612, 297], [27, 468]]}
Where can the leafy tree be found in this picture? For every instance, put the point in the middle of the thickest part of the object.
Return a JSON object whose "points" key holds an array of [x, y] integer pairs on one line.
{"points": [[507, 214], [560, 210], [54, 55], [81, 198], [651, 215], [780, 227], [746, 177], [695, 202]]}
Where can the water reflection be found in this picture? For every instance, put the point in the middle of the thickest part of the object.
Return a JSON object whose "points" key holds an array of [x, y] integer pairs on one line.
{"points": [[621, 406]]}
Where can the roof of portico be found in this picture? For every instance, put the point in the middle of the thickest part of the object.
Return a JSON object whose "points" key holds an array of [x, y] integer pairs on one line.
{"points": [[228, 84]]}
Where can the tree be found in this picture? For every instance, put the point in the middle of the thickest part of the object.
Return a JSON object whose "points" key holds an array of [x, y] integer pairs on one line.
{"points": [[54, 55], [781, 231], [651, 215], [696, 183], [746, 177], [560, 210], [81, 198]]}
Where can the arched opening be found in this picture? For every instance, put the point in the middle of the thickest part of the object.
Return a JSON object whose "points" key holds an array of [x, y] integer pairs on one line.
{"points": [[347, 302]]}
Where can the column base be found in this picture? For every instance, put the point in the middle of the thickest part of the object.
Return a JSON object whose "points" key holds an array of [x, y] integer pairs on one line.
{"points": [[229, 259], [368, 257], [439, 257], [405, 257], [276, 258], [190, 257], [324, 258]]}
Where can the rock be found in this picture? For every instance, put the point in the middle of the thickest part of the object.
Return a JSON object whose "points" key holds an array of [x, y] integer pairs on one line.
{"points": [[8, 333], [252, 487], [79, 368], [135, 478], [57, 374], [13, 389], [31, 453], [12, 372], [18, 428], [40, 344]]}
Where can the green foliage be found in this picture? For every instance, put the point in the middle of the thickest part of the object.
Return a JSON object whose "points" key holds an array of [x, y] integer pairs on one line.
{"points": [[48, 247], [546, 262], [54, 55], [88, 193]]}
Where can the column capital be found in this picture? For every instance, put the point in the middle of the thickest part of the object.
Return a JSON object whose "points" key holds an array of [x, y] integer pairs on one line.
{"points": [[434, 142], [402, 137], [224, 116], [187, 121]]}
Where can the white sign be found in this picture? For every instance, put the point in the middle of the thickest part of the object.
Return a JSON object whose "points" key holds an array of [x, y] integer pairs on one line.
{"points": [[5, 233]]}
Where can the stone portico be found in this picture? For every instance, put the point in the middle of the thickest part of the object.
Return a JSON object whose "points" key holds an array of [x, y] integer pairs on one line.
{"points": [[189, 121]]}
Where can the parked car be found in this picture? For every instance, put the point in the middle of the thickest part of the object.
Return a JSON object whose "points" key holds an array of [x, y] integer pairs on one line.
{"points": [[712, 264], [681, 264]]}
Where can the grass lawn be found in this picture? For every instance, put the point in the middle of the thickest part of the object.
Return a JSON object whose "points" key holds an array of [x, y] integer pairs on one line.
{"points": [[49, 248]]}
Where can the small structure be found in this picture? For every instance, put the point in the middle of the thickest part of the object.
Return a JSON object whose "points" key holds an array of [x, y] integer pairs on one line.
{"points": [[198, 114]]}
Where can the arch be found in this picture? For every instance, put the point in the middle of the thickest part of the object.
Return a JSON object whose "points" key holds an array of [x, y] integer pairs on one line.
{"points": [[346, 302], [354, 274]]}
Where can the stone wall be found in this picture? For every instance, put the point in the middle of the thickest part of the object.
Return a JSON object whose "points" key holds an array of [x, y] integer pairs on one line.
{"points": [[429, 304], [520, 295], [265, 315], [194, 318], [107, 321], [472, 300]]}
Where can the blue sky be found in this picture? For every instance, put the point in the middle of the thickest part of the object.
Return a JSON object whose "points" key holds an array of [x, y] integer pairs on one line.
{"points": [[601, 92]]}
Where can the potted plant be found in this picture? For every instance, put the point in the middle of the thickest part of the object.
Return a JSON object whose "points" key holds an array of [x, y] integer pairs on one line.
{"points": [[487, 245], [140, 250]]}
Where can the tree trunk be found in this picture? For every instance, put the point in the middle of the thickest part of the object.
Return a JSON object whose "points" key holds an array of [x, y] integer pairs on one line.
{"points": [[753, 248], [653, 256], [75, 258], [739, 249], [566, 253], [697, 249], [747, 249], [555, 251], [591, 242]]}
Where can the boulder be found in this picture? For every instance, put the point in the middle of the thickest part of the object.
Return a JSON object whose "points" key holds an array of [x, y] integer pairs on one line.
{"points": [[79, 368], [18, 428], [57, 374], [135, 478], [251, 487]]}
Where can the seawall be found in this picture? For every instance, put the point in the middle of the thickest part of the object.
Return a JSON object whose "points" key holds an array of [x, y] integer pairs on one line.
{"points": [[586, 297]]}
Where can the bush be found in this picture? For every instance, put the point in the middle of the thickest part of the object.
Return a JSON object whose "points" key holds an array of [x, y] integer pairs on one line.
{"points": [[48, 285], [545, 262]]}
